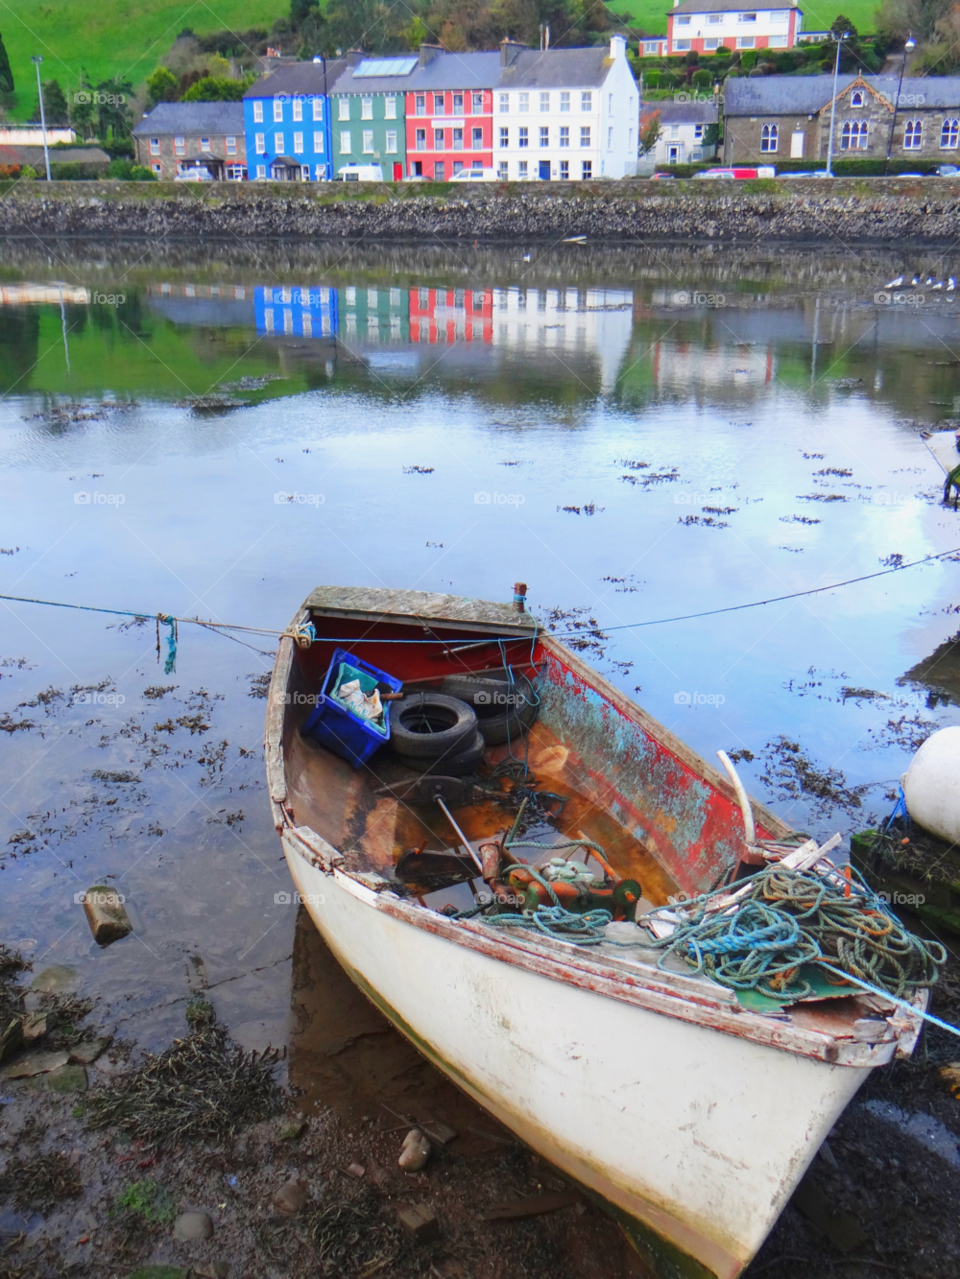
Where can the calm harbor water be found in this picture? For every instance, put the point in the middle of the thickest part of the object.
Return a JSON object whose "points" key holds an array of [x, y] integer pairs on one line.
{"points": [[637, 434]]}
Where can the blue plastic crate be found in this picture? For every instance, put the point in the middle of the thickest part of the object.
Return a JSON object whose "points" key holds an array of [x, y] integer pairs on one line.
{"points": [[337, 728]]}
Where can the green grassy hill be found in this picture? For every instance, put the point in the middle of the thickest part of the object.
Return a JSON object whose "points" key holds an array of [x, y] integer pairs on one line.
{"points": [[651, 15], [123, 38]]}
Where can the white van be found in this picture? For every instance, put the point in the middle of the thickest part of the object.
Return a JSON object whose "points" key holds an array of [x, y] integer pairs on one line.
{"points": [[474, 175], [360, 173]]}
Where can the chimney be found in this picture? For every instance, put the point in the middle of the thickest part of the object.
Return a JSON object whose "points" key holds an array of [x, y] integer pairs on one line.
{"points": [[509, 50], [428, 52], [355, 57], [618, 47]]}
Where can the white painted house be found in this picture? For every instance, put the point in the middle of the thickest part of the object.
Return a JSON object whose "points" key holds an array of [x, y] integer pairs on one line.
{"points": [[706, 25], [685, 134], [565, 114]]}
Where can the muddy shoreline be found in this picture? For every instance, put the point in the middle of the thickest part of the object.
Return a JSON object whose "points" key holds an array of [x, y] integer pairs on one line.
{"points": [[905, 212]]}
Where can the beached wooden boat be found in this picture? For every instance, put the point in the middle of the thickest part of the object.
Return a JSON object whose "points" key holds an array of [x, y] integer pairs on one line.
{"points": [[689, 1115]]}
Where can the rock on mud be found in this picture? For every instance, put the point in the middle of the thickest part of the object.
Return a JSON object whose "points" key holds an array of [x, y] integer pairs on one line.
{"points": [[291, 1198], [193, 1225], [106, 914], [415, 1152]]}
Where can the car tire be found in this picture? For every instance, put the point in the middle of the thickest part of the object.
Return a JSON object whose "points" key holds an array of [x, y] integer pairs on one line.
{"points": [[498, 721], [455, 764], [428, 726]]}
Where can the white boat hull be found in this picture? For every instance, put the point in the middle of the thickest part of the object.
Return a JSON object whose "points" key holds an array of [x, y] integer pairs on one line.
{"points": [[699, 1137]]}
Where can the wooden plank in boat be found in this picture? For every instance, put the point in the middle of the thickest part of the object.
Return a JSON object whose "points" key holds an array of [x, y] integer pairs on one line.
{"points": [[417, 606]]}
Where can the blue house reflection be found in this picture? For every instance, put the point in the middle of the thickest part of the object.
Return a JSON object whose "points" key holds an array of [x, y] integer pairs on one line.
{"points": [[296, 312]]}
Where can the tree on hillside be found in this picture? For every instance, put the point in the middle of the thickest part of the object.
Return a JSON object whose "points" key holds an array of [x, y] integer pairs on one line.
{"points": [[650, 133], [83, 112], [216, 89], [6, 75], [54, 105], [113, 113], [162, 87]]}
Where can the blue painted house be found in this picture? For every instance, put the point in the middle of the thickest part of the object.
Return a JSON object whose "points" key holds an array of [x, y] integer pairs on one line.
{"points": [[287, 123]]}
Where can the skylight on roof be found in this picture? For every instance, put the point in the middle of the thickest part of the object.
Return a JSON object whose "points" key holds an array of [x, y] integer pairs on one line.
{"points": [[384, 67]]}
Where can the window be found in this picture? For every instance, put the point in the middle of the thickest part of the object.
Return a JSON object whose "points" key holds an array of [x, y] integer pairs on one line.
{"points": [[343, 108], [457, 167], [157, 169], [319, 172], [544, 101], [231, 146], [318, 108], [585, 136], [610, 104], [586, 101], [610, 139], [651, 48], [259, 143], [458, 139], [714, 19], [179, 146], [522, 170], [278, 143], [458, 104], [258, 113], [421, 139], [524, 140], [698, 132], [523, 102], [204, 144], [778, 42], [683, 20], [747, 17], [421, 104], [746, 42], [438, 139], [779, 17], [564, 170], [277, 111], [368, 142], [710, 43], [476, 166], [564, 135], [298, 108], [504, 103], [366, 108], [235, 172], [391, 142], [298, 144], [440, 170], [154, 146], [853, 135], [438, 104], [682, 46], [913, 135], [261, 170], [504, 137], [318, 142], [478, 139], [587, 170], [544, 136], [502, 170], [769, 136], [856, 98], [345, 147], [477, 102], [948, 134], [390, 106]]}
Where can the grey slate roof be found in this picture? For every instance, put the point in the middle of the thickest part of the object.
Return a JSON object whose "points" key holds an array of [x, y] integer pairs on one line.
{"points": [[347, 82], [458, 71], [208, 119], [806, 95], [559, 69], [725, 6], [683, 112], [298, 79]]}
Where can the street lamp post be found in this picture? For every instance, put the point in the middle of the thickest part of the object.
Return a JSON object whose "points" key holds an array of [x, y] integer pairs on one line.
{"points": [[908, 46], [833, 104], [36, 60]]}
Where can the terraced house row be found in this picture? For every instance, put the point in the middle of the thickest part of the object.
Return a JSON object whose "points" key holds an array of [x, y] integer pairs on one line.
{"points": [[515, 114]]}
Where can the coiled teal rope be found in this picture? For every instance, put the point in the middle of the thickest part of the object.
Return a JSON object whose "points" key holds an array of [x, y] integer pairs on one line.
{"points": [[556, 921]]}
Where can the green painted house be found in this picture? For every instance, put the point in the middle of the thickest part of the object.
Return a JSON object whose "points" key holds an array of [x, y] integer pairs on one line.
{"points": [[368, 109]]}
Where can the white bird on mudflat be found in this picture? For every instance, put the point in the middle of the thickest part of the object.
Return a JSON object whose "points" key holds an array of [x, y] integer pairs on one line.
{"points": [[938, 285], [527, 257], [894, 284], [951, 284], [915, 281], [928, 281]]}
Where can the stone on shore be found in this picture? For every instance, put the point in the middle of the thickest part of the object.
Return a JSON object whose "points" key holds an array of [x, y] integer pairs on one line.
{"points": [[193, 1225], [106, 914]]}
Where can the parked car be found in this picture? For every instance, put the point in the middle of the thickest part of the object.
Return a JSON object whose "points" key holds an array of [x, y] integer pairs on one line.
{"points": [[662, 177], [194, 175], [948, 170], [474, 175], [740, 175], [360, 173]]}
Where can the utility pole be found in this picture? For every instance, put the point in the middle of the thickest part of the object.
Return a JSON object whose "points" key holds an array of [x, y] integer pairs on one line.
{"points": [[36, 60], [909, 46], [833, 104]]}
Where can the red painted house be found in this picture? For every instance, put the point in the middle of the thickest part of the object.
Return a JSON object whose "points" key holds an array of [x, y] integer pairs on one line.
{"points": [[449, 113], [451, 315]]}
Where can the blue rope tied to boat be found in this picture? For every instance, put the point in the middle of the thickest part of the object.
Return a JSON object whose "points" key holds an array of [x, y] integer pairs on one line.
{"points": [[899, 810], [164, 619]]}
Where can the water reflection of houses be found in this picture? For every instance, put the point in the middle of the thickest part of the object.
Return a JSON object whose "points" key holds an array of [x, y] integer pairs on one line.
{"points": [[295, 311]]}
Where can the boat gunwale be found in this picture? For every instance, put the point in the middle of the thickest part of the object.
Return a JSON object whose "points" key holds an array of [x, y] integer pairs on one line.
{"points": [[651, 991]]}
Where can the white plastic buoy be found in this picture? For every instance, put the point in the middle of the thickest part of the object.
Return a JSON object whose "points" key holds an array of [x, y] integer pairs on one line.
{"points": [[931, 785]]}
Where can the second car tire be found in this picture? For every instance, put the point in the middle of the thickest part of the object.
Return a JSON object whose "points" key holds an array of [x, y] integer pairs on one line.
{"points": [[425, 726]]}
